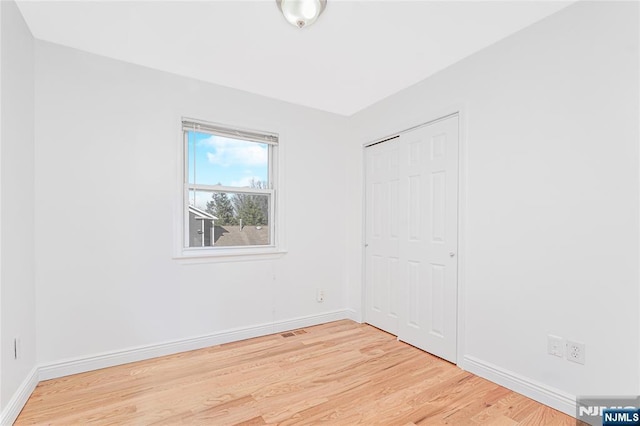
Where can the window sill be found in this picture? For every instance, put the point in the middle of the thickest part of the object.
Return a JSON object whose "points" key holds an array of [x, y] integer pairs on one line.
{"points": [[237, 255]]}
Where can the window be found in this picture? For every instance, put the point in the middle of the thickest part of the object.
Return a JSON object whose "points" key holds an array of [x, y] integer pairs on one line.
{"points": [[228, 188]]}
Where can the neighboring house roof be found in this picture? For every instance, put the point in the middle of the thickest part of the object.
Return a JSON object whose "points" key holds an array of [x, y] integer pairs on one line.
{"points": [[249, 235], [201, 213]]}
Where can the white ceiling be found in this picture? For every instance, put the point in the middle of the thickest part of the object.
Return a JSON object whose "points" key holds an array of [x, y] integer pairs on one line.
{"points": [[357, 53]]}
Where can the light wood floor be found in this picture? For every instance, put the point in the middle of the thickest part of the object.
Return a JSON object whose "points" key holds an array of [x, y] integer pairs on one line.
{"points": [[340, 373]]}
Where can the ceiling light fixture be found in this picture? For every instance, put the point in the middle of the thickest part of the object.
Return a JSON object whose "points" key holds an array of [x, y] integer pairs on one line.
{"points": [[301, 13]]}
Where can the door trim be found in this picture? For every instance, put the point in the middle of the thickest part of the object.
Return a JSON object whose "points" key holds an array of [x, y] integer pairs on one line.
{"points": [[395, 135], [460, 111]]}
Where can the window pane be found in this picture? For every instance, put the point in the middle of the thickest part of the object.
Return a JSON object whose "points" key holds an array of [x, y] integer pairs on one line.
{"points": [[191, 138], [228, 219], [216, 160]]}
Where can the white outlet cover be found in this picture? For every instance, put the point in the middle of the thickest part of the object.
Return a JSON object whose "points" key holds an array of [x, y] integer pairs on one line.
{"points": [[555, 346], [576, 352]]}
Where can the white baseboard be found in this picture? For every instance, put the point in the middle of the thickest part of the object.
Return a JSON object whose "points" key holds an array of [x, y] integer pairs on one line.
{"points": [[19, 399], [110, 359], [354, 316], [540, 392]]}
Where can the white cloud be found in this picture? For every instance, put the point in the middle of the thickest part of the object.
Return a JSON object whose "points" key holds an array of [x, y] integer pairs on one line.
{"points": [[245, 181], [231, 152]]}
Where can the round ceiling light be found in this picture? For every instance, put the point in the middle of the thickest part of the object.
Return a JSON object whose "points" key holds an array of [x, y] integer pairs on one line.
{"points": [[301, 13]]}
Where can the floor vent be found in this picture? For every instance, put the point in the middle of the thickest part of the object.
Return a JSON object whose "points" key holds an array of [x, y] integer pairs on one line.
{"points": [[293, 333]]}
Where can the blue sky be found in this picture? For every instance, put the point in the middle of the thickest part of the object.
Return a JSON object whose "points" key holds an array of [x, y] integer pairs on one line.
{"points": [[218, 160]]}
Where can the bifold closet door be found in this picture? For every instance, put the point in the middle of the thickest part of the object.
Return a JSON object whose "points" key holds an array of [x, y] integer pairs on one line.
{"points": [[411, 237], [382, 293]]}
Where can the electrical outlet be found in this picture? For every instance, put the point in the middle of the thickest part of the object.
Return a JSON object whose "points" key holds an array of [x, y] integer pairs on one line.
{"points": [[576, 352], [555, 346], [319, 295]]}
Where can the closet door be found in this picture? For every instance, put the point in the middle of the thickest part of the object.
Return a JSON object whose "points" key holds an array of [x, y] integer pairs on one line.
{"points": [[428, 318], [411, 233], [383, 207]]}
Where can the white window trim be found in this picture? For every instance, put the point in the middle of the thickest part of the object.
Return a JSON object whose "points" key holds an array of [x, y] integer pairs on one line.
{"points": [[230, 254]]}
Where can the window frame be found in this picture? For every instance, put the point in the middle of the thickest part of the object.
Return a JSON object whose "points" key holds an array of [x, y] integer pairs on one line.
{"points": [[227, 253]]}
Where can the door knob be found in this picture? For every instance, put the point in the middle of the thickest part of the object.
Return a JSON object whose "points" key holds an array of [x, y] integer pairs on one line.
{"points": [[451, 254]]}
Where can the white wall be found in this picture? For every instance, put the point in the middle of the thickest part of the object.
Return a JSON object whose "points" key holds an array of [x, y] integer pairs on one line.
{"points": [[552, 185], [107, 134], [552, 208], [17, 285]]}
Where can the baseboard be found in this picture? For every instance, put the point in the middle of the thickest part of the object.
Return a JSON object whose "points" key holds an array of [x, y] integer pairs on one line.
{"points": [[540, 392], [354, 316], [110, 359], [19, 398]]}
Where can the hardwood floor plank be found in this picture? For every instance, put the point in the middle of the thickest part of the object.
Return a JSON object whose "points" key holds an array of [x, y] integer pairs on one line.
{"points": [[460, 413], [504, 421], [513, 406], [547, 416], [340, 373]]}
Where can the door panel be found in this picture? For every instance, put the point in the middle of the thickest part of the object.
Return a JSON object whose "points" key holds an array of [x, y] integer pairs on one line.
{"points": [[412, 223], [383, 227]]}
